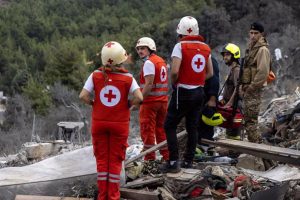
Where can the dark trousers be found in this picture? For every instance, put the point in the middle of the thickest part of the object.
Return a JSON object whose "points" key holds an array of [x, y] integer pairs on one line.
{"points": [[205, 131], [188, 104]]}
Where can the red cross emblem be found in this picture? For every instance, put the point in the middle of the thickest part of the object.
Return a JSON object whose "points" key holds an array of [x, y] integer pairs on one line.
{"points": [[198, 63], [110, 61], [189, 30], [163, 73], [109, 44], [110, 96]]}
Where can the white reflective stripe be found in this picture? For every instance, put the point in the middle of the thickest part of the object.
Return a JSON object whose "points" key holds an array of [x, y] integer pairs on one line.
{"points": [[102, 178], [113, 181], [102, 173], [160, 85], [158, 93], [114, 176], [237, 120]]}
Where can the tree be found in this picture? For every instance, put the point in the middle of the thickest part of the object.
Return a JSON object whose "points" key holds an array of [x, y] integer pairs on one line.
{"points": [[38, 95]]}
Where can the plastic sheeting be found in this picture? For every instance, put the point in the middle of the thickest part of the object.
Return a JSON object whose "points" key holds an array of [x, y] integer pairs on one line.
{"points": [[54, 176]]}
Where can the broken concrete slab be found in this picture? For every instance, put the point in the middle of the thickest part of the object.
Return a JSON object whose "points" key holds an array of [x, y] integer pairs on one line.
{"points": [[279, 174], [51, 176]]}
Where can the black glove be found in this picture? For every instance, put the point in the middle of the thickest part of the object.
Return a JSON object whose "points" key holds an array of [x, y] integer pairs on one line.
{"points": [[209, 111]]}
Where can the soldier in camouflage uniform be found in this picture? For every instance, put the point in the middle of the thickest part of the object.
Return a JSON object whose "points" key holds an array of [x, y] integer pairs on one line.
{"points": [[255, 73]]}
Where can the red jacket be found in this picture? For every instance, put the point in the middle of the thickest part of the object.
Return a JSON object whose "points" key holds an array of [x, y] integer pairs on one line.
{"points": [[111, 95], [159, 91], [195, 54]]}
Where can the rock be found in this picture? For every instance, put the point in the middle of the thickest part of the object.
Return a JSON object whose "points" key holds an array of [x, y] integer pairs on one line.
{"points": [[250, 162], [40, 150], [217, 171], [134, 170]]}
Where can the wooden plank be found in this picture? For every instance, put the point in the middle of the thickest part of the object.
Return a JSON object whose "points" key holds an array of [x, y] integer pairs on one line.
{"points": [[154, 148], [33, 197], [260, 150], [218, 195], [139, 194], [141, 183]]}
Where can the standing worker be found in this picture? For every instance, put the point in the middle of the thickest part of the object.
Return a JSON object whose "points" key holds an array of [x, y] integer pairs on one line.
{"points": [[111, 85], [231, 54], [191, 65], [154, 85], [255, 74]]}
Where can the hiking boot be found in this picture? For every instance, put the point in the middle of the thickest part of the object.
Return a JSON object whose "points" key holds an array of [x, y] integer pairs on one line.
{"points": [[167, 167], [187, 164]]}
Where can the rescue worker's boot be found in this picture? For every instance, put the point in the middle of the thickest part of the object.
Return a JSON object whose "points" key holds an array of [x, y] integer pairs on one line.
{"points": [[233, 134], [170, 167], [187, 164], [233, 137]]}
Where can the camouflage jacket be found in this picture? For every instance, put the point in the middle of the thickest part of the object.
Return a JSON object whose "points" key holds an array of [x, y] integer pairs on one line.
{"points": [[257, 64]]}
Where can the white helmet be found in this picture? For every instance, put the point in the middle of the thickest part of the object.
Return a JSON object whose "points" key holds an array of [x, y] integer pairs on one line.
{"points": [[188, 26], [146, 41], [113, 53]]}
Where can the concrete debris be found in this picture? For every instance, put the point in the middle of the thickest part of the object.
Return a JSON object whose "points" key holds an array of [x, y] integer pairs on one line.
{"points": [[280, 123], [134, 170], [250, 177], [216, 174], [250, 162], [33, 152]]}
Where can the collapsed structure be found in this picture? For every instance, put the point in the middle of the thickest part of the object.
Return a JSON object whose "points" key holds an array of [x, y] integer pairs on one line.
{"points": [[226, 175]]}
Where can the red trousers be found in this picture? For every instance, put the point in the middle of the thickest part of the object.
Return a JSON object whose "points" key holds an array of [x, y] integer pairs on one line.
{"points": [[110, 143], [152, 118]]}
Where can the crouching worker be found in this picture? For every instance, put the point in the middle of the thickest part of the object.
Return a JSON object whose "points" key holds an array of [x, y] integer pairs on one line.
{"points": [[111, 85]]}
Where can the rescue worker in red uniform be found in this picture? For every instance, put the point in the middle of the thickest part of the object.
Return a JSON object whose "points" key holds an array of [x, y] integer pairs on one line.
{"points": [[191, 65], [154, 85], [111, 85]]}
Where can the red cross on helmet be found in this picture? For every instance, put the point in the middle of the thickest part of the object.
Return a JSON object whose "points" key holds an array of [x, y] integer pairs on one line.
{"points": [[147, 42], [113, 53], [188, 26]]}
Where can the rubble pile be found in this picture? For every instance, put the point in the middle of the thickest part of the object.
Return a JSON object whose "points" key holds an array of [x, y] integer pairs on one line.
{"points": [[216, 176], [221, 182], [280, 123]]}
